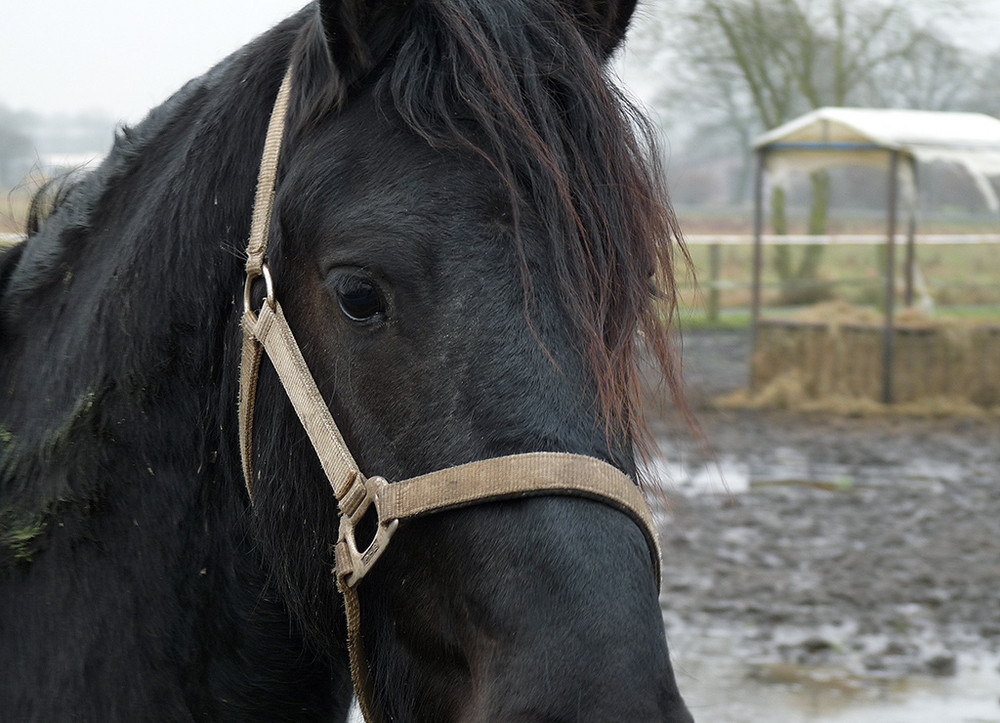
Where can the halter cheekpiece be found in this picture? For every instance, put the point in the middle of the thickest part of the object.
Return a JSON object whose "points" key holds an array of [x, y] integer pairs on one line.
{"points": [[538, 473]]}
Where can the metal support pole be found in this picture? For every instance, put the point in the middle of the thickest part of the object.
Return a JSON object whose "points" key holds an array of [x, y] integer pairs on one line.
{"points": [[758, 231], [888, 335], [911, 235]]}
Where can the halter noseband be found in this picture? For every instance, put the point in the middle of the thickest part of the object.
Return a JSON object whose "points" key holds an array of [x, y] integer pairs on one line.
{"points": [[513, 476]]}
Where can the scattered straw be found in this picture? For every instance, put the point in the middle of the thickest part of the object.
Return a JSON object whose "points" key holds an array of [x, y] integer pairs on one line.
{"points": [[828, 358]]}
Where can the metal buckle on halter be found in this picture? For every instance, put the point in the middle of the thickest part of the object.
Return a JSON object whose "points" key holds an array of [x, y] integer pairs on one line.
{"points": [[266, 273], [353, 564]]}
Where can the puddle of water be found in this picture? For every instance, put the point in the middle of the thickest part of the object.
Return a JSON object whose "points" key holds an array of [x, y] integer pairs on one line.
{"points": [[724, 685], [787, 466], [727, 477]]}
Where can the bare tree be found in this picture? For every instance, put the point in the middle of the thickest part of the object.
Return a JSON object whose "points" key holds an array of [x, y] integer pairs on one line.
{"points": [[760, 63], [985, 97]]}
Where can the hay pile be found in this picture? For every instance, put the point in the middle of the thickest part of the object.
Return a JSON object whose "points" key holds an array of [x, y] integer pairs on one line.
{"points": [[829, 358]]}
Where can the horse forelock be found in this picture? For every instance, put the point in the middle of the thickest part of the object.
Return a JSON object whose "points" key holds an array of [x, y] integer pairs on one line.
{"points": [[517, 84]]}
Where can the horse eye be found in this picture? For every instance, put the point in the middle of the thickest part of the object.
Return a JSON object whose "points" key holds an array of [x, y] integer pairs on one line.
{"points": [[359, 299]]}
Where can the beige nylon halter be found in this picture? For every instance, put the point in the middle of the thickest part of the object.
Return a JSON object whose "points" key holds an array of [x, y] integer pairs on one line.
{"points": [[498, 478]]}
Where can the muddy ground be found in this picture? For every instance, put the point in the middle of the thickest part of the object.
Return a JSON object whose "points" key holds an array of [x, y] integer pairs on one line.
{"points": [[869, 547]]}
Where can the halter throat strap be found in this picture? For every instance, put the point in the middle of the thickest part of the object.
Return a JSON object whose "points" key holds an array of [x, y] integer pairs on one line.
{"points": [[266, 331]]}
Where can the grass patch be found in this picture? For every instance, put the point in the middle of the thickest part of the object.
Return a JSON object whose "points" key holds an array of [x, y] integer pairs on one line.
{"points": [[22, 534], [964, 278], [695, 318], [18, 539]]}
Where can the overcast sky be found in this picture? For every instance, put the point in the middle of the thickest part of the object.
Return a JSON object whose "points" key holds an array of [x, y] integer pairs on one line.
{"points": [[119, 58], [123, 58]]}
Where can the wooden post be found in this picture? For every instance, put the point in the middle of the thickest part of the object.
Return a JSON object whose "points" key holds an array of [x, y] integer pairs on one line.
{"points": [[911, 235], [714, 264], [888, 335], [758, 231]]}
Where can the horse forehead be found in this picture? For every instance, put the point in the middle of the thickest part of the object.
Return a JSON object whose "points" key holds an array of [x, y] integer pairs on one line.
{"points": [[377, 186]]}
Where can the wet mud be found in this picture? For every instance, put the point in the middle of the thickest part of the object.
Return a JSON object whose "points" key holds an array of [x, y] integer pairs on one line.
{"points": [[828, 568]]}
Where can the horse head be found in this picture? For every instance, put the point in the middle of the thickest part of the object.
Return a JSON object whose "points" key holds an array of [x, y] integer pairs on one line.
{"points": [[469, 241], [462, 242]]}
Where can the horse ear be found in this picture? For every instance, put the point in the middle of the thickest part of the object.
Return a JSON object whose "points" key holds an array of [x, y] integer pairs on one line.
{"points": [[359, 33], [604, 21]]}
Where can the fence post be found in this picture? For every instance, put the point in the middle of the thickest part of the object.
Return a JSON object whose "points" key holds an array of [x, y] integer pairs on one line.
{"points": [[758, 231], [911, 234], [714, 266], [888, 334]]}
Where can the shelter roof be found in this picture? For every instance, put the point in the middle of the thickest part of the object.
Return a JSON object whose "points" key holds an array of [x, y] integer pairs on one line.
{"points": [[861, 136]]}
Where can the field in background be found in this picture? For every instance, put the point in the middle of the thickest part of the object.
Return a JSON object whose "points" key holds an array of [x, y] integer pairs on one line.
{"points": [[953, 280], [733, 220], [14, 209]]}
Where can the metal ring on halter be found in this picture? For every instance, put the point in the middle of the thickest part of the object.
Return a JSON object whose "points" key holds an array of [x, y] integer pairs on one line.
{"points": [[266, 273], [362, 560]]}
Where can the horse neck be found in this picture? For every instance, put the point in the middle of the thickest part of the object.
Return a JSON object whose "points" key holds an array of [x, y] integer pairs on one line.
{"points": [[126, 298], [120, 345], [119, 319]]}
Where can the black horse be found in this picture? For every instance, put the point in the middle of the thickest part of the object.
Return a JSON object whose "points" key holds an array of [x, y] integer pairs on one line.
{"points": [[471, 242]]}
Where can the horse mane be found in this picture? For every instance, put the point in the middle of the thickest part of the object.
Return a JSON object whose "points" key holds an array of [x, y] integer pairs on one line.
{"points": [[518, 85]]}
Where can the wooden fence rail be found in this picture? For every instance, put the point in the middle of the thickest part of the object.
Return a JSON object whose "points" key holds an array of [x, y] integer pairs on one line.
{"points": [[839, 239]]}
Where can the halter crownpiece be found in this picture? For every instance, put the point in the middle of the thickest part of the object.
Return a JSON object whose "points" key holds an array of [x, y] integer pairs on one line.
{"points": [[498, 478]]}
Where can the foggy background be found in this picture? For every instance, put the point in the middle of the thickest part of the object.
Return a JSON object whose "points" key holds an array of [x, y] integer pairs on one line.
{"points": [[72, 72], [824, 519]]}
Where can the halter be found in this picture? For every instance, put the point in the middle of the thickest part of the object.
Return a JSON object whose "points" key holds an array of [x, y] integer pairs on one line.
{"points": [[498, 478]]}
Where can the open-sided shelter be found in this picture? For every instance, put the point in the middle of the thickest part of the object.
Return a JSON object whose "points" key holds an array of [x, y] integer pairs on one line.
{"points": [[896, 140]]}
